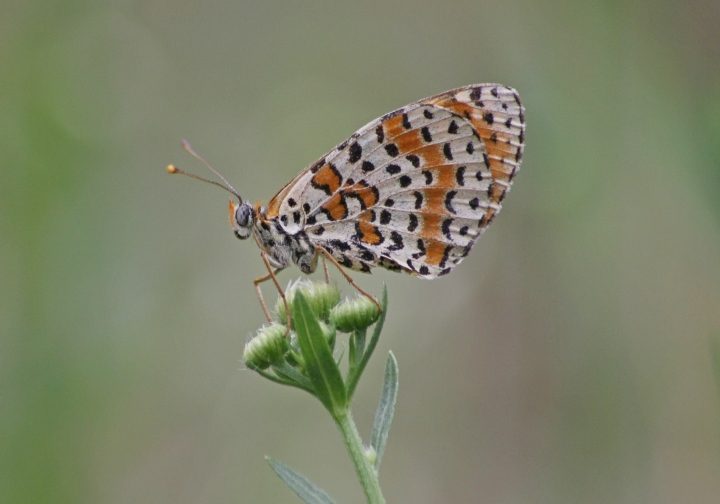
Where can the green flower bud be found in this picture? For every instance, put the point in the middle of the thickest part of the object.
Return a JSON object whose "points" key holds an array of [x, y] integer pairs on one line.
{"points": [[353, 314], [268, 347], [321, 296]]}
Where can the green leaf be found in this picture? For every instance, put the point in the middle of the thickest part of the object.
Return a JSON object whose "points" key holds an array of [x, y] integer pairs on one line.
{"points": [[303, 487], [358, 341], [321, 367], [357, 347], [354, 374], [291, 376], [386, 409]]}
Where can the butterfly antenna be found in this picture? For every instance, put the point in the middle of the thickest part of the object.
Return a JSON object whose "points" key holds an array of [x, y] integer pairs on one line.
{"points": [[228, 187]]}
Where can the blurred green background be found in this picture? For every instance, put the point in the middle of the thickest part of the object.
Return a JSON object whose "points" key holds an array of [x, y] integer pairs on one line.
{"points": [[570, 358]]}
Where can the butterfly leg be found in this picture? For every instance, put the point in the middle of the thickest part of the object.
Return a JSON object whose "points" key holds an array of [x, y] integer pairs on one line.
{"points": [[325, 268], [330, 258], [271, 275]]}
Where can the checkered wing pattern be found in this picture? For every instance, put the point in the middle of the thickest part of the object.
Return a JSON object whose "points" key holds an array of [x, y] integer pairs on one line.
{"points": [[414, 189]]}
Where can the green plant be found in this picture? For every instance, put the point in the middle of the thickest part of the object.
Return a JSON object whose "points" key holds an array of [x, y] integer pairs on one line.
{"points": [[305, 359]]}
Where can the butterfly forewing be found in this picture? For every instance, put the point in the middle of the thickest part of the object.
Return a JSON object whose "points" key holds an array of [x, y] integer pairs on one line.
{"points": [[414, 189]]}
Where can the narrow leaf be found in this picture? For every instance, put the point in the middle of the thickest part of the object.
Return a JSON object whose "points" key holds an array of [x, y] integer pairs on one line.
{"points": [[354, 375], [358, 340], [293, 377], [357, 347], [303, 487], [322, 369], [386, 409]]}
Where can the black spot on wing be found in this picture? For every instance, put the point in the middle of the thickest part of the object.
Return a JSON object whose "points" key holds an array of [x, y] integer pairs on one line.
{"points": [[319, 164], [406, 121], [414, 160], [397, 240], [355, 152], [421, 249], [446, 228], [340, 245], [460, 175], [448, 201], [428, 177], [392, 150], [380, 134], [413, 222], [366, 255]]}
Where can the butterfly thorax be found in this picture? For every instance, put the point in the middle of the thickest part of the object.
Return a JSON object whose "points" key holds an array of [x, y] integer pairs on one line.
{"points": [[280, 247]]}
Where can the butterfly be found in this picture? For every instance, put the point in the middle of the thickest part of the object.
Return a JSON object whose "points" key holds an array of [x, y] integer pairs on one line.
{"points": [[411, 191]]}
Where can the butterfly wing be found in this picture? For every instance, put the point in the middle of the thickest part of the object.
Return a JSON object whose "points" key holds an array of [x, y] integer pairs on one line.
{"points": [[414, 189]]}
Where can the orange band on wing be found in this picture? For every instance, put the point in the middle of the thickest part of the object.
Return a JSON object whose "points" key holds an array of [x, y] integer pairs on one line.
{"points": [[394, 127], [327, 178], [335, 207], [409, 141], [368, 233], [435, 252]]}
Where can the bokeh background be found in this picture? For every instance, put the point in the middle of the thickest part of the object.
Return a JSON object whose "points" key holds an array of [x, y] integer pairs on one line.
{"points": [[573, 357]]}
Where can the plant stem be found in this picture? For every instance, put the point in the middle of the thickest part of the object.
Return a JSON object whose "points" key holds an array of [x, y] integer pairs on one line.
{"points": [[364, 469]]}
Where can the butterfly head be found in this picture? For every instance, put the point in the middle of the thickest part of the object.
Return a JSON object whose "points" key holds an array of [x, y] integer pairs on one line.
{"points": [[242, 218]]}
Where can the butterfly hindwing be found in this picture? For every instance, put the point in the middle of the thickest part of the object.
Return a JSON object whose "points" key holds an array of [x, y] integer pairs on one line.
{"points": [[414, 189]]}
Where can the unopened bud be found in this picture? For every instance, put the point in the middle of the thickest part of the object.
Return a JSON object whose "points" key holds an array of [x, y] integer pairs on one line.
{"points": [[353, 314], [268, 347], [321, 296]]}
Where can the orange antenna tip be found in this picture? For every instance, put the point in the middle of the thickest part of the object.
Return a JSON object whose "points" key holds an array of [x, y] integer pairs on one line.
{"points": [[174, 169]]}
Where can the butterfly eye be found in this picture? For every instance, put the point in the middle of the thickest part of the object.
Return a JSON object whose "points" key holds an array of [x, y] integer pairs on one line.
{"points": [[242, 219], [243, 216]]}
